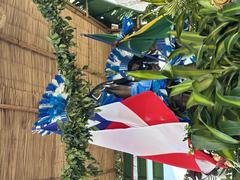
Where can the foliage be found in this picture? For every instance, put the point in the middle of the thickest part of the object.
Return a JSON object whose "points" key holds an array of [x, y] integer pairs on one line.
{"points": [[75, 135], [171, 7], [119, 163], [214, 82]]}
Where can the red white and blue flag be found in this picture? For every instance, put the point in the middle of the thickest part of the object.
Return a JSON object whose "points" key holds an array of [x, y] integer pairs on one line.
{"points": [[144, 126]]}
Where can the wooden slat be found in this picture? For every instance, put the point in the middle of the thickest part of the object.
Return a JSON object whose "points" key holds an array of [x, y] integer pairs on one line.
{"points": [[18, 108]]}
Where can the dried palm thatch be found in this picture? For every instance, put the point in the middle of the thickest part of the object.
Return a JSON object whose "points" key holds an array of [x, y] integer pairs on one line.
{"points": [[27, 64], [2, 17], [220, 3]]}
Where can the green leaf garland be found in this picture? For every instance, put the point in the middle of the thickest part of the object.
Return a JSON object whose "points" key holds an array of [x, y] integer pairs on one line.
{"points": [[76, 135]]}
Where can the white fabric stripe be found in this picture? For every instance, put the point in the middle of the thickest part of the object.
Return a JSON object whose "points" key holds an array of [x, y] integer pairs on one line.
{"points": [[173, 173], [205, 166], [144, 141], [149, 170], [92, 123], [118, 112], [135, 168], [54, 81]]}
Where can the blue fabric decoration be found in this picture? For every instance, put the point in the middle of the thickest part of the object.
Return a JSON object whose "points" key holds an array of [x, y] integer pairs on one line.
{"points": [[157, 86], [51, 87], [59, 79], [51, 108], [127, 27], [117, 64], [140, 86], [166, 46], [107, 98]]}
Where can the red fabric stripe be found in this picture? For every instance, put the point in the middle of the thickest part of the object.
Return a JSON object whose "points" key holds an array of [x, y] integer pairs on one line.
{"points": [[203, 156], [117, 125], [186, 161], [150, 108]]}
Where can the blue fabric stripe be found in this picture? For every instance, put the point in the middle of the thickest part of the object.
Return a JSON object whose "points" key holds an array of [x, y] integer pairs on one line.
{"points": [[51, 87], [99, 118], [46, 95], [44, 111], [103, 125], [42, 121], [50, 127], [103, 122], [54, 126], [44, 101], [41, 115], [59, 79]]}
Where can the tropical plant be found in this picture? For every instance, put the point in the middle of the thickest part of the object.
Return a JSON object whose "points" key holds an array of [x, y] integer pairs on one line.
{"points": [[172, 7], [213, 83]]}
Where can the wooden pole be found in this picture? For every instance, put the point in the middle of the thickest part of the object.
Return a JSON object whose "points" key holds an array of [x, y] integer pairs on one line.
{"points": [[87, 12]]}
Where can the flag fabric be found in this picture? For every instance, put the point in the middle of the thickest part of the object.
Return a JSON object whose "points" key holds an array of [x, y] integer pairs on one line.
{"points": [[143, 125]]}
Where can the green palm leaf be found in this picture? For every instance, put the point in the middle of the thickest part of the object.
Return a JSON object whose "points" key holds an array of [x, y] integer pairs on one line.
{"points": [[220, 135], [204, 140], [231, 42], [233, 101], [231, 9], [232, 128], [182, 87]]}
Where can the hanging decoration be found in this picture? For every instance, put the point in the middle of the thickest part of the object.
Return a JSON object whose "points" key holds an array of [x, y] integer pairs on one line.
{"points": [[52, 108], [79, 107]]}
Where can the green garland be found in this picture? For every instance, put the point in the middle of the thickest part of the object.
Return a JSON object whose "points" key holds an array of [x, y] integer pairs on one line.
{"points": [[79, 162]]}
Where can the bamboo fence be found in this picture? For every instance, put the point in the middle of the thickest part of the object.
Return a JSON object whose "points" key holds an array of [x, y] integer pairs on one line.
{"points": [[27, 65]]}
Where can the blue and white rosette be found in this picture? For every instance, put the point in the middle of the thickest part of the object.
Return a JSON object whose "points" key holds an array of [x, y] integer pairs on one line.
{"points": [[52, 108]]}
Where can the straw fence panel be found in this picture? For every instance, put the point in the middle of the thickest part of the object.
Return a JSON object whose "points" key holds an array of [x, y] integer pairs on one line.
{"points": [[27, 65]]}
